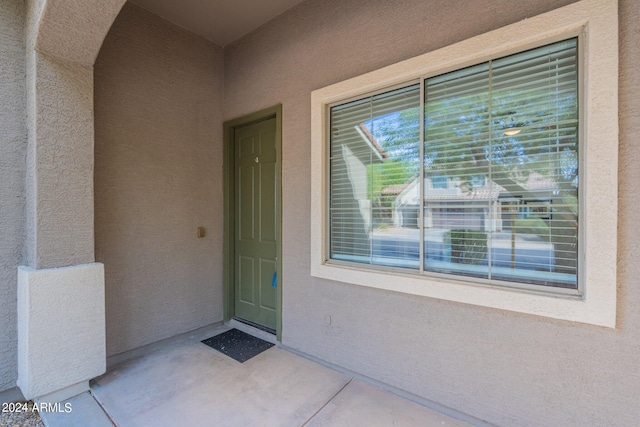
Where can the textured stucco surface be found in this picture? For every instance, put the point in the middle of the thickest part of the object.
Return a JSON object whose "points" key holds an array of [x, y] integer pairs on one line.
{"points": [[60, 163], [509, 369], [13, 142], [60, 327], [73, 30], [59, 184], [158, 177]]}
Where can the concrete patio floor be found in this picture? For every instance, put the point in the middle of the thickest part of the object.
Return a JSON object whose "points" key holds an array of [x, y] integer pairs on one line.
{"points": [[182, 382]]}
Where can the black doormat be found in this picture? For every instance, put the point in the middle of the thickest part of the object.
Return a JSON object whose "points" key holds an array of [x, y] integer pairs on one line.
{"points": [[238, 345]]}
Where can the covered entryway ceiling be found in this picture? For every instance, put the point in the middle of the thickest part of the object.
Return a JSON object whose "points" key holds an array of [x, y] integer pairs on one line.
{"points": [[219, 21]]}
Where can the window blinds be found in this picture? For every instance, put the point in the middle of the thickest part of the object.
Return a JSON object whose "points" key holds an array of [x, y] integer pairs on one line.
{"points": [[374, 156], [505, 133], [494, 192]]}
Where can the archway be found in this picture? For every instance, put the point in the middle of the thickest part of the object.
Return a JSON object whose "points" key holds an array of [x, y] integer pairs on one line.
{"points": [[61, 289]]}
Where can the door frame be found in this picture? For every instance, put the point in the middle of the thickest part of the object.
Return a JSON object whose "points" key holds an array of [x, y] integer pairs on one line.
{"points": [[230, 215]]}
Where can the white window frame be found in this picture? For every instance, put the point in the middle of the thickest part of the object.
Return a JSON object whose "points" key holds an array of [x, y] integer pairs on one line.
{"points": [[596, 23]]}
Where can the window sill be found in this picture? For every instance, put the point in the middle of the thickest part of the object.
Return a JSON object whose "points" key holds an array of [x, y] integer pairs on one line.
{"points": [[558, 305]]}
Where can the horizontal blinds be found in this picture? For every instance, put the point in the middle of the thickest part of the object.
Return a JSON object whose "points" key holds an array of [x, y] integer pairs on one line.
{"points": [[374, 150], [499, 194], [505, 136]]}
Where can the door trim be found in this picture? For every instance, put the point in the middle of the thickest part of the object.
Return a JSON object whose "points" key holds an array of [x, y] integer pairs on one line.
{"points": [[229, 209]]}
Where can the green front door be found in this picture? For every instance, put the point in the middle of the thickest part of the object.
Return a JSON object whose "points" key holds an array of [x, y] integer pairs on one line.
{"points": [[255, 257]]}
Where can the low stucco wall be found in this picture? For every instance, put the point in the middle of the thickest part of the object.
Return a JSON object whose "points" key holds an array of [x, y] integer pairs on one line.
{"points": [[61, 333], [506, 368], [12, 175], [158, 176]]}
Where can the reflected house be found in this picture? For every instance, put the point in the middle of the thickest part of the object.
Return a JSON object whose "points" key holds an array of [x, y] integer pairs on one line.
{"points": [[480, 205], [448, 205]]}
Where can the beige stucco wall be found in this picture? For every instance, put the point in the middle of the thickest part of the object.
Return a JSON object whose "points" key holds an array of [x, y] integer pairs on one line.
{"points": [[61, 332], [13, 140], [506, 368], [59, 185], [158, 176]]}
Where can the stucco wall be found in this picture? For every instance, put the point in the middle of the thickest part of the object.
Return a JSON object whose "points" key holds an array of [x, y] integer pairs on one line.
{"points": [[59, 185], [158, 177], [506, 368], [12, 175]]}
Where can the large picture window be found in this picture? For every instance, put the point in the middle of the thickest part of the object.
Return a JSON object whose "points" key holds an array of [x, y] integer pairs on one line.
{"points": [[484, 172], [476, 178]]}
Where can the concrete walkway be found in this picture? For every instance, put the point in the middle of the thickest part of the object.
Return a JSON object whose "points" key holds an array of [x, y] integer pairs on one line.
{"points": [[185, 383]]}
